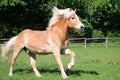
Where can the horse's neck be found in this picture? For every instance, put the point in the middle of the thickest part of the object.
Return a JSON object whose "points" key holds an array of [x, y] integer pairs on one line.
{"points": [[61, 28]]}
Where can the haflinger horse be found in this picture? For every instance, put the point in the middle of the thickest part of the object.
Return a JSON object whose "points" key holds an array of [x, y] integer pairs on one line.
{"points": [[52, 40]]}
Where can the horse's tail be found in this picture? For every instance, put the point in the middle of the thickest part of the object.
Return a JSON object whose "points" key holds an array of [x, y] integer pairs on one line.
{"points": [[7, 47]]}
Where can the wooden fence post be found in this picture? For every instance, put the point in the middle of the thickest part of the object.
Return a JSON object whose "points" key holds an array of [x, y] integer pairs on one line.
{"points": [[106, 42], [85, 43]]}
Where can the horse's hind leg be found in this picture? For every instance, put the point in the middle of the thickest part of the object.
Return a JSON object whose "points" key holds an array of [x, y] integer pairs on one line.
{"points": [[33, 64], [72, 54], [17, 50]]}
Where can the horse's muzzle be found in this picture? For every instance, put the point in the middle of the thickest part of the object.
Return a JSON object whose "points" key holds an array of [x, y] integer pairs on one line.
{"points": [[82, 28]]}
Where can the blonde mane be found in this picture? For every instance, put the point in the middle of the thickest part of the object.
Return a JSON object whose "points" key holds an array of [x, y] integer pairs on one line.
{"points": [[57, 13]]}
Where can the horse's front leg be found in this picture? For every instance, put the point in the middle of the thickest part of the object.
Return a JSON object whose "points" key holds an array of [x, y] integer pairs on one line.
{"points": [[56, 53], [72, 54]]}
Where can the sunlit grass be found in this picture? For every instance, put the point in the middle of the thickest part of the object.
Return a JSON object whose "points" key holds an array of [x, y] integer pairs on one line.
{"points": [[92, 63]]}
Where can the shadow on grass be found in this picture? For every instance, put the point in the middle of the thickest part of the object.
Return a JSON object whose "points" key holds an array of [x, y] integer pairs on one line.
{"points": [[29, 70], [79, 72], [56, 70]]}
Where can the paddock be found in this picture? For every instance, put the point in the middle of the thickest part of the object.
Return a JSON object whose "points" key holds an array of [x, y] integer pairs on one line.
{"points": [[93, 63]]}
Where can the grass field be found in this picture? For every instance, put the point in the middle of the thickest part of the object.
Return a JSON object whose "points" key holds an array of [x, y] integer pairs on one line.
{"points": [[92, 63]]}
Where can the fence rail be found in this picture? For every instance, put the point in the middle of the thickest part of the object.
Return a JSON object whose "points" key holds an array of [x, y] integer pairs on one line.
{"points": [[89, 41], [96, 41]]}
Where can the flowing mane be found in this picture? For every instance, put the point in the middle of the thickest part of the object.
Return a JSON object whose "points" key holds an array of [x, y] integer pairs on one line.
{"points": [[57, 13]]}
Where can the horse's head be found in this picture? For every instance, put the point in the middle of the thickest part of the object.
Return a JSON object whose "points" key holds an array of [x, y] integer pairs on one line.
{"points": [[73, 20], [71, 16]]}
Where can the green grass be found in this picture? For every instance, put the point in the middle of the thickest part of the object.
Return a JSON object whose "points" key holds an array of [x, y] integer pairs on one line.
{"points": [[92, 63]]}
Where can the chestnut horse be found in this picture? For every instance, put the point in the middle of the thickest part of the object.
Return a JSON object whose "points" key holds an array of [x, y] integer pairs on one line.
{"points": [[52, 40]]}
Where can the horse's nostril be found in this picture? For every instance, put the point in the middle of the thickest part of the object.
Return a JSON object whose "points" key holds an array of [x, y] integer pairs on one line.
{"points": [[82, 27]]}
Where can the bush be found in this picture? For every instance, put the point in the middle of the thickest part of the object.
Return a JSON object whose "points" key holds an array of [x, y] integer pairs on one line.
{"points": [[97, 34], [88, 28], [3, 30], [114, 34]]}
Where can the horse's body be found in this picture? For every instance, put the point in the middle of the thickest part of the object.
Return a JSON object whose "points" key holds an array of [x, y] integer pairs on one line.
{"points": [[40, 45], [37, 44], [52, 40]]}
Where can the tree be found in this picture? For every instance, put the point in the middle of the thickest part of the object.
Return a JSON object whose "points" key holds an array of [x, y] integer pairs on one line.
{"points": [[101, 15], [17, 15], [106, 18]]}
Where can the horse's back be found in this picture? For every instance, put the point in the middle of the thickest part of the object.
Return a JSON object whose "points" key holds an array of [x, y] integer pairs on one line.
{"points": [[27, 33], [35, 40]]}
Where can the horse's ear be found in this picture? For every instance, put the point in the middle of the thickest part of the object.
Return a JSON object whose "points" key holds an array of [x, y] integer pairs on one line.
{"points": [[54, 9], [75, 10]]}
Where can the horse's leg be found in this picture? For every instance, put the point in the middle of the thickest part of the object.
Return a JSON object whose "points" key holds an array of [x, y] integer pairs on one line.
{"points": [[17, 50], [56, 53], [33, 64], [72, 54]]}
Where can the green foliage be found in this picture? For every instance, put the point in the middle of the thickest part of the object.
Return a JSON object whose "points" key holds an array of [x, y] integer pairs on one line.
{"points": [[101, 15], [97, 34], [88, 28], [75, 33], [12, 3], [3, 31], [114, 34], [106, 17]]}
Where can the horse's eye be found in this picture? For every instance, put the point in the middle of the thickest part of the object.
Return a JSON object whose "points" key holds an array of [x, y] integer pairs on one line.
{"points": [[73, 18]]}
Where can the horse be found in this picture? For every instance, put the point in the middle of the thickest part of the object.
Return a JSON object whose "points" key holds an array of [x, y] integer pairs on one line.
{"points": [[52, 40]]}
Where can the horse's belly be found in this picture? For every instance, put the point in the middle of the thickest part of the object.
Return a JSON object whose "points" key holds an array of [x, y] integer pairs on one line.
{"points": [[40, 50], [45, 51]]}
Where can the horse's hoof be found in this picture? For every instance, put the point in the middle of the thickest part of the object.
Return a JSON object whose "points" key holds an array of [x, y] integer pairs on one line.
{"points": [[10, 74], [38, 75], [67, 78]]}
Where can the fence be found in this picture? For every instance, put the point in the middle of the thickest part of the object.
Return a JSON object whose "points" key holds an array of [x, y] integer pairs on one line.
{"points": [[3, 40], [89, 41], [96, 41]]}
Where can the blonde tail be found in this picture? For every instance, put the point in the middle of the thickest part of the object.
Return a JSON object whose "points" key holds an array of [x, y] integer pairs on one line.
{"points": [[7, 47]]}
